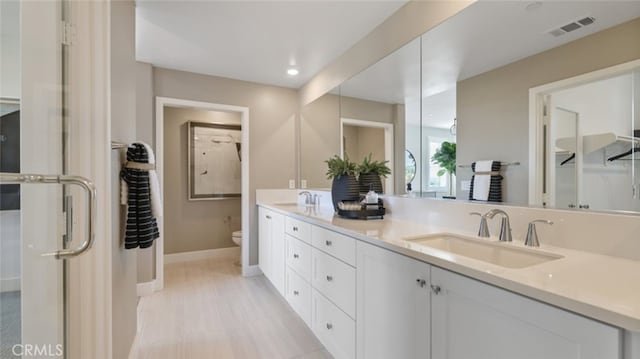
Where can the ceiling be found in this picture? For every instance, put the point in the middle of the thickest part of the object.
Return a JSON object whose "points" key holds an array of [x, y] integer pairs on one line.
{"points": [[253, 40], [484, 36]]}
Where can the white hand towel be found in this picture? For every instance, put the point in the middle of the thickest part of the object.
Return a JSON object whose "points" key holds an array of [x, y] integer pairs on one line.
{"points": [[481, 183], [154, 185]]}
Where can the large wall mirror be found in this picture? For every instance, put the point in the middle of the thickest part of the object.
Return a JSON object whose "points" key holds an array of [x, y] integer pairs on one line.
{"points": [[469, 82]]}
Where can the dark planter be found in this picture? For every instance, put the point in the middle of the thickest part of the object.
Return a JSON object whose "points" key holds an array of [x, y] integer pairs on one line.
{"points": [[344, 188], [366, 179]]}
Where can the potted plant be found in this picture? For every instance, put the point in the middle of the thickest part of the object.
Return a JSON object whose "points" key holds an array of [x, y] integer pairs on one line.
{"points": [[445, 157], [345, 185], [370, 174]]}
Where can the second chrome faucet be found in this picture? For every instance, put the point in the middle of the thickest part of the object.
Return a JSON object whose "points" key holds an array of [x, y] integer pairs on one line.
{"points": [[505, 226]]}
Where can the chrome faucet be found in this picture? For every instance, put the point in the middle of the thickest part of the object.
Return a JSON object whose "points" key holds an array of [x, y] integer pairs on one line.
{"points": [[483, 231], [505, 226], [308, 200], [532, 234]]}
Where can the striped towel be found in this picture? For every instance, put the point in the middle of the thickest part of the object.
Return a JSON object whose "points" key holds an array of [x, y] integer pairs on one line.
{"points": [[494, 193], [141, 227]]}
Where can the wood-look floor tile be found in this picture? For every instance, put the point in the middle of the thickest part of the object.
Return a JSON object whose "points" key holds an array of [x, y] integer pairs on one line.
{"points": [[208, 310]]}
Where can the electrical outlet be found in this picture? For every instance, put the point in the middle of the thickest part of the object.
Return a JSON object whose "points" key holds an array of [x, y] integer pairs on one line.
{"points": [[303, 184], [292, 184]]}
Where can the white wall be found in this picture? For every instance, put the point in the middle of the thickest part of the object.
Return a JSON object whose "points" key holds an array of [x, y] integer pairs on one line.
{"points": [[10, 49]]}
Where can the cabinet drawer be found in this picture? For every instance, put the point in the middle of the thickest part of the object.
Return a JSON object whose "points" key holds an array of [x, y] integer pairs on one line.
{"points": [[298, 229], [298, 294], [335, 279], [299, 257], [338, 245], [336, 331]]}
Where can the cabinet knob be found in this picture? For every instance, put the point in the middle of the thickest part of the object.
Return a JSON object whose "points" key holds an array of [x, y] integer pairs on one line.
{"points": [[421, 282], [435, 289], [329, 278], [328, 243], [296, 256], [267, 217], [295, 292], [295, 229], [329, 326]]}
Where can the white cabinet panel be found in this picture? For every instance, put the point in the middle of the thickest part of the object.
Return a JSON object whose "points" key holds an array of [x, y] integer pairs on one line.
{"points": [[335, 279], [392, 305], [471, 319], [336, 244], [334, 328], [277, 252], [264, 240], [298, 229], [299, 257], [298, 294]]}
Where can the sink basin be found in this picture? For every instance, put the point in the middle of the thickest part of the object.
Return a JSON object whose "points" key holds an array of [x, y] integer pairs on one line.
{"points": [[502, 254]]}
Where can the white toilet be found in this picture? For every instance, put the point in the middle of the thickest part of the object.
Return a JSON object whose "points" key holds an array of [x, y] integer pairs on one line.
{"points": [[237, 239]]}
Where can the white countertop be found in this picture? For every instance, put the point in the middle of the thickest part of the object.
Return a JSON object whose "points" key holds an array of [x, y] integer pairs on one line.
{"points": [[597, 286]]}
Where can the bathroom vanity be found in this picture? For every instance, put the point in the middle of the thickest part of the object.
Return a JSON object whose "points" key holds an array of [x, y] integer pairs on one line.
{"points": [[397, 288]]}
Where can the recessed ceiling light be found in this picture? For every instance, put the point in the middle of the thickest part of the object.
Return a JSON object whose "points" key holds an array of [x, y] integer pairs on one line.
{"points": [[292, 72]]}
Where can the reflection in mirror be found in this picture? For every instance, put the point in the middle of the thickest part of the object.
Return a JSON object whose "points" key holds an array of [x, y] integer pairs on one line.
{"points": [[388, 93], [410, 169]]}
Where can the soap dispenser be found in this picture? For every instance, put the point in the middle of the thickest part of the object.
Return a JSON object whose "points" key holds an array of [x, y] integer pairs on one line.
{"points": [[372, 196]]}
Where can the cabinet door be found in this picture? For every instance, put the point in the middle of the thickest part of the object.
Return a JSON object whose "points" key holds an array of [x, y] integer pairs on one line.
{"points": [[392, 305], [471, 319], [264, 241], [277, 264]]}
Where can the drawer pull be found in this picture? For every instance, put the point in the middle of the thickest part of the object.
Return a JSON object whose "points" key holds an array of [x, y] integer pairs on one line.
{"points": [[329, 278], [296, 256], [435, 289], [329, 326], [295, 229], [268, 217], [422, 282], [295, 292], [328, 243]]}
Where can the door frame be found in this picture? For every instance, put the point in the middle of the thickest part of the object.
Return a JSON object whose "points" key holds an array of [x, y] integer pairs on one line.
{"points": [[388, 144], [537, 118], [161, 103]]}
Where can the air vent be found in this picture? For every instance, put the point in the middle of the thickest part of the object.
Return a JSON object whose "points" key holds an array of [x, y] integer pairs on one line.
{"points": [[572, 26]]}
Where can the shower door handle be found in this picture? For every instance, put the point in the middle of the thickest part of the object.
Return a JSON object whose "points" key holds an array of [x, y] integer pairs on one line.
{"points": [[90, 191]]}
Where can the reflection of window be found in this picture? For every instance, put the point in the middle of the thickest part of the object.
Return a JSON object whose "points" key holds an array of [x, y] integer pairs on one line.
{"points": [[436, 182]]}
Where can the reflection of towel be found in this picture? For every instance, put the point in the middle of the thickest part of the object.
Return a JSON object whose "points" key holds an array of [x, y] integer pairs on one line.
{"points": [[486, 187], [141, 227]]}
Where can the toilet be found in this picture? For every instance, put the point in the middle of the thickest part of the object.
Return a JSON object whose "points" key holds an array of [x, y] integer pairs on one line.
{"points": [[237, 239]]}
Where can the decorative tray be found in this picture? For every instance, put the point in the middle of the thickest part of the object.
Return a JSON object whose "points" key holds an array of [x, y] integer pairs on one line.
{"points": [[366, 211]]}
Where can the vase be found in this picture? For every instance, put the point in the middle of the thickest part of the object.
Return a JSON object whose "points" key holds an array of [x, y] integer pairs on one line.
{"points": [[344, 188], [365, 180]]}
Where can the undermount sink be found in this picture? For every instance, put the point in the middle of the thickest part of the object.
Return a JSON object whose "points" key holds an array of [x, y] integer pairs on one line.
{"points": [[502, 254]]}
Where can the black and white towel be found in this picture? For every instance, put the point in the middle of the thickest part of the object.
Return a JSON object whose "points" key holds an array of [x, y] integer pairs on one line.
{"points": [[142, 228], [486, 182]]}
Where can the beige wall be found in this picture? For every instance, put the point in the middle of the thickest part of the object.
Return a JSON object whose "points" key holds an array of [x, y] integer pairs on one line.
{"points": [[493, 108], [123, 128], [362, 141], [193, 225], [272, 115], [144, 119]]}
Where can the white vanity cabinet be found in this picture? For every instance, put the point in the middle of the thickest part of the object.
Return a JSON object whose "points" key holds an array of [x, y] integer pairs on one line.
{"points": [[393, 295], [471, 319], [271, 247]]}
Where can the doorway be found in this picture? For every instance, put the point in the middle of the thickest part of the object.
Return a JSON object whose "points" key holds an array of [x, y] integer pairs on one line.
{"points": [[359, 138], [163, 106]]}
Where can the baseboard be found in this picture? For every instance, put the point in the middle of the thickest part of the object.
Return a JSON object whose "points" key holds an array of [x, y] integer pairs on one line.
{"points": [[9, 284], [146, 288], [252, 271], [231, 252]]}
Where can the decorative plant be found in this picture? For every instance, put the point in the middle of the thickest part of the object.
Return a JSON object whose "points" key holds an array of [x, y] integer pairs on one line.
{"points": [[445, 157], [378, 168], [340, 167]]}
